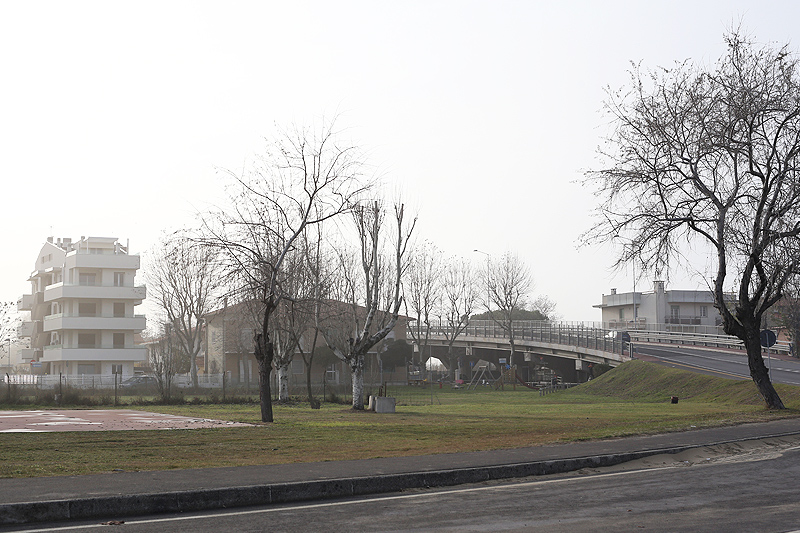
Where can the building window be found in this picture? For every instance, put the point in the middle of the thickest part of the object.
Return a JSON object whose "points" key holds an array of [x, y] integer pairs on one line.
{"points": [[246, 340], [87, 309], [86, 340], [119, 309], [622, 313], [119, 279], [87, 279], [116, 369], [86, 369], [675, 311], [703, 311], [119, 340]]}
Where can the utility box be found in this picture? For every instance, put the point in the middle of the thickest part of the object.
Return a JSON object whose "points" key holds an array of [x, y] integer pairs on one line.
{"points": [[384, 404]]}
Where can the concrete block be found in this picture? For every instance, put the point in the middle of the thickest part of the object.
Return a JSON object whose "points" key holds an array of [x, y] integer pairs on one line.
{"points": [[384, 405]]}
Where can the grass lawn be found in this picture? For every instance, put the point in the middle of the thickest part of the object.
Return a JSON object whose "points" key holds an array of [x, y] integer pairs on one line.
{"points": [[629, 400]]}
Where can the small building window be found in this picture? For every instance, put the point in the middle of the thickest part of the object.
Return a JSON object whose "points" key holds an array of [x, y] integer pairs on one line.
{"points": [[119, 279], [703, 311], [119, 340], [86, 340], [87, 309], [87, 279], [675, 311], [86, 369], [119, 309]]}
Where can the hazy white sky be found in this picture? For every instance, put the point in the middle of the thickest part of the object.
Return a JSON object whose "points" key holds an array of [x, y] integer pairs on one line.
{"points": [[116, 116]]}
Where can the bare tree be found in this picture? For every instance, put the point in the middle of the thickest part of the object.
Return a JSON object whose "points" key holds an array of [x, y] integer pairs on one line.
{"points": [[166, 359], [708, 156], [458, 303], [183, 278], [546, 307], [319, 280], [10, 319], [368, 291], [422, 292], [305, 178], [509, 284], [787, 315]]}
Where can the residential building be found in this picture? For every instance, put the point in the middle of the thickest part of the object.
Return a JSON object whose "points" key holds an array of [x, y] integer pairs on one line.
{"points": [[229, 348], [81, 308], [644, 310]]}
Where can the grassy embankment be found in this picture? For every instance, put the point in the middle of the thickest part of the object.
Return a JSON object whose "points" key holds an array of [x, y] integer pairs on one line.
{"points": [[632, 399]]}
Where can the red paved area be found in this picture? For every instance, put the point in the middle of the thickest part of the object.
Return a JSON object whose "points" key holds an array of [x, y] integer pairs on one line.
{"points": [[100, 420]]}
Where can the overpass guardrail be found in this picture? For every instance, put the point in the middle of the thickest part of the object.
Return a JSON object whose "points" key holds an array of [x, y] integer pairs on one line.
{"points": [[599, 336]]}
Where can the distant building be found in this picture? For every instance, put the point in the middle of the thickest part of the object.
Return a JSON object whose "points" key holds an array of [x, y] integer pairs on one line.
{"points": [[81, 307], [642, 310], [230, 348]]}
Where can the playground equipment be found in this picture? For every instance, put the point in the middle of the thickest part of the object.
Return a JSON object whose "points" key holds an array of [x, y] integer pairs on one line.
{"points": [[508, 376], [482, 373]]}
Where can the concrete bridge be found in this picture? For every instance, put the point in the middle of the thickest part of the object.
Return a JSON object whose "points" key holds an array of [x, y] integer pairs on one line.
{"points": [[571, 350]]}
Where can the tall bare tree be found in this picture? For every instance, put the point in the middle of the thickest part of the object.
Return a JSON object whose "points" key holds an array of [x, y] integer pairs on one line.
{"points": [[787, 316], [319, 285], [422, 292], [165, 358], [305, 177], [709, 156], [458, 303], [368, 290], [10, 319], [183, 278], [509, 284]]}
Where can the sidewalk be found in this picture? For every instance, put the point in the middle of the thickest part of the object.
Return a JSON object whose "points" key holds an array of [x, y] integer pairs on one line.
{"points": [[137, 493]]}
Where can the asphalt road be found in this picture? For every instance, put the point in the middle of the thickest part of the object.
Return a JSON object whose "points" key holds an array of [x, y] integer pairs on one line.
{"points": [[753, 489], [723, 364]]}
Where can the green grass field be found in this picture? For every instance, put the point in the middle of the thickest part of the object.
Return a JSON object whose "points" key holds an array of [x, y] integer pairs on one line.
{"points": [[632, 399]]}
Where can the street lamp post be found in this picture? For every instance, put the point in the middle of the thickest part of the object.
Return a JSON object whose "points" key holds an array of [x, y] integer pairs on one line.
{"points": [[488, 310]]}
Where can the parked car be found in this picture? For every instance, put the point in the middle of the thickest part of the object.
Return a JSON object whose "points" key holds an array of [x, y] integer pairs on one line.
{"points": [[139, 381]]}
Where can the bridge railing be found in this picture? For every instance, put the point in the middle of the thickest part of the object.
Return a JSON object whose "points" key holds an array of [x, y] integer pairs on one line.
{"points": [[599, 336], [580, 334]]}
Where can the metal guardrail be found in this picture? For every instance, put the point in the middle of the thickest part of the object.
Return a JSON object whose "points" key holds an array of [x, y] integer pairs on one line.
{"points": [[598, 336]]}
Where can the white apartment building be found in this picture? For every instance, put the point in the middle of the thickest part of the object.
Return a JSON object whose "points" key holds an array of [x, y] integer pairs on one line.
{"points": [[646, 310], [81, 307]]}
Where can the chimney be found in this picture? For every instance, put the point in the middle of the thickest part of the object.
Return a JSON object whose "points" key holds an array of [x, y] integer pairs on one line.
{"points": [[659, 287], [613, 291]]}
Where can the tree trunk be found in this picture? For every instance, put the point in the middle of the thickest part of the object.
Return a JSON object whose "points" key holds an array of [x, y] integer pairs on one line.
{"points": [[265, 389], [314, 403], [758, 370], [357, 374], [452, 361], [193, 367], [283, 382]]}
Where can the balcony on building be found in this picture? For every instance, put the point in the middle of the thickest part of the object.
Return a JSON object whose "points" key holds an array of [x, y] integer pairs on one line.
{"points": [[58, 291], [108, 260], [683, 319], [64, 321], [57, 352], [26, 329], [25, 302]]}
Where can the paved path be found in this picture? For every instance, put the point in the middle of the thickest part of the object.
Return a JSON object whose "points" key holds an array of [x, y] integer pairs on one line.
{"points": [[138, 493], [100, 420]]}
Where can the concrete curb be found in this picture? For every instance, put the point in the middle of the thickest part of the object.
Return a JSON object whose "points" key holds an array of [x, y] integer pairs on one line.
{"points": [[119, 506]]}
